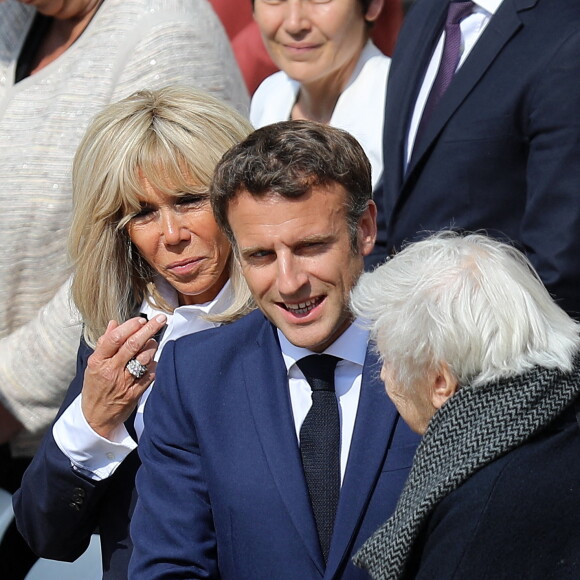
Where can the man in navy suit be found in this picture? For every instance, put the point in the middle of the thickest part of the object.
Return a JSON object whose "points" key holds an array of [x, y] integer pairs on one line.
{"points": [[222, 488], [500, 150]]}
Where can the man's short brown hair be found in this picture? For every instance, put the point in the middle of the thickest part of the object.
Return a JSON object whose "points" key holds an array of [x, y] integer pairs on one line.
{"points": [[287, 159]]}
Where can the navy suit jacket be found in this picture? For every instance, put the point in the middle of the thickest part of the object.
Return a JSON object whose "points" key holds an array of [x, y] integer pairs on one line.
{"points": [[502, 149], [222, 492], [57, 509]]}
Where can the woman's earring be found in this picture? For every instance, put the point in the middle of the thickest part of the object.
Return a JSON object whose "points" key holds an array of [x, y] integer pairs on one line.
{"points": [[129, 250]]}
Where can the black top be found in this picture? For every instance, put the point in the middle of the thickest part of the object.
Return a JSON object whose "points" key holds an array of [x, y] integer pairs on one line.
{"points": [[37, 33]]}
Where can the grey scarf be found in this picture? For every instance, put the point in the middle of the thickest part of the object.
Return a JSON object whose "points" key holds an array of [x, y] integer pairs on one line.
{"points": [[476, 426]]}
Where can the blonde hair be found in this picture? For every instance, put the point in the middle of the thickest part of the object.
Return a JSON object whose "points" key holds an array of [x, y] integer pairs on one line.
{"points": [[172, 137]]}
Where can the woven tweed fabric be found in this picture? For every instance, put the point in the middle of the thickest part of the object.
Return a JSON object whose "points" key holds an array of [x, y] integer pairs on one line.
{"points": [[476, 426]]}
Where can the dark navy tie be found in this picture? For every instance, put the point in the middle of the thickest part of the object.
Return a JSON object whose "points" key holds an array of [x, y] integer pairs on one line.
{"points": [[320, 444]]}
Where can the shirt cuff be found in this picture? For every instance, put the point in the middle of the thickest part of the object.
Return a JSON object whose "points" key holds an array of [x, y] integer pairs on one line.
{"points": [[89, 453]]}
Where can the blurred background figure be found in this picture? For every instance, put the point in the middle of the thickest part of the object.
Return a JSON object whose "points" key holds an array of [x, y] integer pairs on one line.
{"points": [[331, 72], [143, 240], [483, 132], [254, 61], [61, 61], [478, 358]]}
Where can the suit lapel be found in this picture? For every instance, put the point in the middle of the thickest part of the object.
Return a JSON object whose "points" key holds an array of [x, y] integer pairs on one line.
{"points": [[405, 77], [501, 28], [375, 421], [269, 401]]}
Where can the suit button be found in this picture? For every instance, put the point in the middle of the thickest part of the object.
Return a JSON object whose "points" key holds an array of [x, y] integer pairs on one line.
{"points": [[74, 506]]}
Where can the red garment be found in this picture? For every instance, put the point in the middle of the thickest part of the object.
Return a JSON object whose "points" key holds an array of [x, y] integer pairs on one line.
{"points": [[252, 57]]}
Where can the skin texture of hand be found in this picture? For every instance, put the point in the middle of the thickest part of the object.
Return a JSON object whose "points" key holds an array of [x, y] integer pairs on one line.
{"points": [[110, 393]]}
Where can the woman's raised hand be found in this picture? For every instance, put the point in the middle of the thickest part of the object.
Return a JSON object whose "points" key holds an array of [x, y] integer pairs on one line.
{"points": [[110, 391]]}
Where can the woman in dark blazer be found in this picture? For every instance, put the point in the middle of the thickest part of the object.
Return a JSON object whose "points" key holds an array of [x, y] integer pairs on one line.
{"points": [[479, 359], [145, 245]]}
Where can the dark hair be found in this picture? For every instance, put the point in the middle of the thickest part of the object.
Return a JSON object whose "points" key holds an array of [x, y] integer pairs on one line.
{"points": [[288, 159]]}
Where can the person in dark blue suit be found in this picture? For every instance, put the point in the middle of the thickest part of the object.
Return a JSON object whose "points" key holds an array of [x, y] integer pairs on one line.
{"points": [[477, 357], [226, 487], [500, 150]]}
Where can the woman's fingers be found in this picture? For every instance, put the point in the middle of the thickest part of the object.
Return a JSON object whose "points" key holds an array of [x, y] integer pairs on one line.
{"points": [[135, 343], [147, 353], [110, 391], [112, 324], [115, 335], [129, 337]]}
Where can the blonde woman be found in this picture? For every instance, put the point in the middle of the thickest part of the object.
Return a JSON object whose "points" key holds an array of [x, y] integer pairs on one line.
{"points": [[144, 242]]}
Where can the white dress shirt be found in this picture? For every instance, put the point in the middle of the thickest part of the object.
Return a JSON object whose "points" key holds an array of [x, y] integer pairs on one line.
{"points": [[351, 347], [360, 109], [97, 457], [471, 28]]}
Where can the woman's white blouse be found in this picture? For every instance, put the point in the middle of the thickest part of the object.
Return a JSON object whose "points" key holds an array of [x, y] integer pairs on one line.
{"points": [[360, 109], [97, 457]]}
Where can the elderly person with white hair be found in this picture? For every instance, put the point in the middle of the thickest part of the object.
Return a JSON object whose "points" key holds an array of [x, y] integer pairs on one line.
{"points": [[478, 358]]}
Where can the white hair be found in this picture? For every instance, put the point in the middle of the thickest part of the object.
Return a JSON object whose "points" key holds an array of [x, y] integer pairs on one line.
{"points": [[471, 302]]}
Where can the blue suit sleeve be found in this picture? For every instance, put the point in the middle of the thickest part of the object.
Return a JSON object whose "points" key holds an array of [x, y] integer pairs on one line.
{"points": [[56, 507], [172, 528]]}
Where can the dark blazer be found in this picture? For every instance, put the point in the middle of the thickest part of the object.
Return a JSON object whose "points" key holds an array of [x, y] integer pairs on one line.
{"points": [[222, 490], [502, 149], [517, 518], [57, 509]]}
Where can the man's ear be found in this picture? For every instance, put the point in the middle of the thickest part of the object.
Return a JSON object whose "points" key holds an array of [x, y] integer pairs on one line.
{"points": [[443, 387], [374, 10], [367, 227]]}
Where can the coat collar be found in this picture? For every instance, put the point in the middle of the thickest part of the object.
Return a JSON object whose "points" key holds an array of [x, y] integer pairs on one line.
{"points": [[376, 420]]}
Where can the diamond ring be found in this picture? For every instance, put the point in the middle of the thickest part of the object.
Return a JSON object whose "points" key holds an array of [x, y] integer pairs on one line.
{"points": [[136, 368]]}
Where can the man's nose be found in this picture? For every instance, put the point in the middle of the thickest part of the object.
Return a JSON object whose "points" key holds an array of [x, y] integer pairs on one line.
{"points": [[291, 275]]}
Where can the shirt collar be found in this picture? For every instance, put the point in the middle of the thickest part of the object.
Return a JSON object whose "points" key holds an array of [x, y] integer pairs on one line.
{"points": [[489, 6], [351, 345], [219, 304], [192, 317]]}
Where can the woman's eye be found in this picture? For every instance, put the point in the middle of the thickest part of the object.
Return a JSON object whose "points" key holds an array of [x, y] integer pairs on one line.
{"points": [[192, 199], [143, 213]]}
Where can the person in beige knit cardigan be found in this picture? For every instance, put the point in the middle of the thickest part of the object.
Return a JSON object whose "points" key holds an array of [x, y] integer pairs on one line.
{"points": [[61, 61]]}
